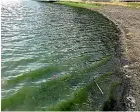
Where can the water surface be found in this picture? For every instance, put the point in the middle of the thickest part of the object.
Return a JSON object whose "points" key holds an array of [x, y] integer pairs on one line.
{"points": [[51, 54]]}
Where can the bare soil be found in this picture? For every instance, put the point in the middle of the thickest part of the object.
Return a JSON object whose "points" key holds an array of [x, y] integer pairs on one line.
{"points": [[128, 19]]}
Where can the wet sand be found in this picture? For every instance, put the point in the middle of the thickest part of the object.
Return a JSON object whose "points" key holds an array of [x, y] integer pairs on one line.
{"points": [[128, 20]]}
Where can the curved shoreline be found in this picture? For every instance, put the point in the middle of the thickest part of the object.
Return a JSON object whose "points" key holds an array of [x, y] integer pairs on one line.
{"points": [[122, 48], [121, 56], [129, 62]]}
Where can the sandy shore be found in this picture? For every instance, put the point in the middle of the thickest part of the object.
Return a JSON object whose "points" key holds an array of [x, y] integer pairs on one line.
{"points": [[128, 20]]}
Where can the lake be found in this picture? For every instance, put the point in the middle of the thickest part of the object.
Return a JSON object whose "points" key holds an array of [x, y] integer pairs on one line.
{"points": [[56, 57]]}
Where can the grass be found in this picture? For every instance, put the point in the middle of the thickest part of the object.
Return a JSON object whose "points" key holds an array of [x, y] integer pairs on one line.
{"points": [[81, 4], [125, 4], [134, 5], [91, 4]]}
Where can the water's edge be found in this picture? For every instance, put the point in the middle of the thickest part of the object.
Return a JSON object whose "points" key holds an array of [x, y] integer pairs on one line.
{"points": [[122, 57], [117, 102], [112, 83]]}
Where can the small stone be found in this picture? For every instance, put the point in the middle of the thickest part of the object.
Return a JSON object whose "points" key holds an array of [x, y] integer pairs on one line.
{"points": [[135, 75], [126, 66], [129, 34], [128, 76], [131, 99], [132, 105]]}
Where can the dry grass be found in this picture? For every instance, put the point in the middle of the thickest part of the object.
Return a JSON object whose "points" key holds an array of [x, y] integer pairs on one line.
{"points": [[81, 4], [126, 4], [112, 3]]}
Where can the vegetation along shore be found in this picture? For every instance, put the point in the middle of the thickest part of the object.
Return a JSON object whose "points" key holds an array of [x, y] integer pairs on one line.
{"points": [[126, 15]]}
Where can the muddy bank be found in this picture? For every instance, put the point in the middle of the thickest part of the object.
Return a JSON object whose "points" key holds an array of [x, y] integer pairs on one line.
{"points": [[128, 20]]}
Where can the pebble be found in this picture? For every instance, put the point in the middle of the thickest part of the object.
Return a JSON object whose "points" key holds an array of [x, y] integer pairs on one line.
{"points": [[126, 66], [131, 99], [128, 76], [131, 102]]}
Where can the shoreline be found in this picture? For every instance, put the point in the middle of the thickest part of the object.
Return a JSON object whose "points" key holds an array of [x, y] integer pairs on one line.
{"points": [[122, 48], [130, 64]]}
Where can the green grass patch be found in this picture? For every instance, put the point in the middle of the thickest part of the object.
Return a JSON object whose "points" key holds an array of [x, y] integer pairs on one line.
{"points": [[133, 5], [80, 4], [99, 4]]}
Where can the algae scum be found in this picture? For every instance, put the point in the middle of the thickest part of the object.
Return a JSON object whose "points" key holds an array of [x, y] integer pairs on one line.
{"points": [[53, 57]]}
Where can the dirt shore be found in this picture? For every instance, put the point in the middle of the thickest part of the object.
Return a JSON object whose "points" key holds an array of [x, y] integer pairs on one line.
{"points": [[128, 20], [127, 17]]}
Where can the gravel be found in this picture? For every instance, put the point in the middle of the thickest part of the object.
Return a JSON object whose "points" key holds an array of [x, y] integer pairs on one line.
{"points": [[128, 20]]}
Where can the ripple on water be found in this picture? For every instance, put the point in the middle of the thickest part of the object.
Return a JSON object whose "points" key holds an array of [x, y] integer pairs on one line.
{"points": [[50, 55]]}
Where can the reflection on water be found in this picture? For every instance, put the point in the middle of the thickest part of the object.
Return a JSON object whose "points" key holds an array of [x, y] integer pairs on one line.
{"points": [[50, 54]]}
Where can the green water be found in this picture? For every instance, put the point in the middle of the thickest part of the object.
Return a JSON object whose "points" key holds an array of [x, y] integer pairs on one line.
{"points": [[52, 55]]}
